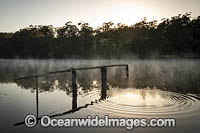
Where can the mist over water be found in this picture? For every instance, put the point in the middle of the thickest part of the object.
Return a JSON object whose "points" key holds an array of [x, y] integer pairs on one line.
{"points": [[173, 75], [155, 88]]}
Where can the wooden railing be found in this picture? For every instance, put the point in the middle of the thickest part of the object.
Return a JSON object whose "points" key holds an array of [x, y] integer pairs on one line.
{"points": [[74, 82]]}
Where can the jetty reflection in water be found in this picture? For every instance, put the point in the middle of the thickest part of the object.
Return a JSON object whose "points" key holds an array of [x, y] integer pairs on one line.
{"points": [[177, 95], [120, 101]]}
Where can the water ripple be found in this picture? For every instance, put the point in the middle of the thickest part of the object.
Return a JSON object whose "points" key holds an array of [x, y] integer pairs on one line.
{"points": [[147, 102]]}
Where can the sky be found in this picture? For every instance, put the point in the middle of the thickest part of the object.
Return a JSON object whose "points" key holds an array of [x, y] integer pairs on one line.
{"points": [[18, 14]]}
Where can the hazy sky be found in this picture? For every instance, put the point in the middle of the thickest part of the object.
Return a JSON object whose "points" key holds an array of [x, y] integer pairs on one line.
{"points": [[16, 14]]}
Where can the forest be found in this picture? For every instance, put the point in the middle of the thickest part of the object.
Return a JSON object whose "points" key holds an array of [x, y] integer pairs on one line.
{"points": [[178, 36]]}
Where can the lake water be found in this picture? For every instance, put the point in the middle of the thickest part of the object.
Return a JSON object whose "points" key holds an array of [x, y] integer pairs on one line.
{"points": [[155, 89]]}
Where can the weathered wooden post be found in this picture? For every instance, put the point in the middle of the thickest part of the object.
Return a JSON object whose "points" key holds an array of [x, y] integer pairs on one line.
{"points": [[127, 72], [74, 90], [37, 100], [103, 82]]}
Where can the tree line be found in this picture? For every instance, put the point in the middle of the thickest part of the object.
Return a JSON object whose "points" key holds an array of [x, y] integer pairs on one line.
{"points": [[172, 37]]}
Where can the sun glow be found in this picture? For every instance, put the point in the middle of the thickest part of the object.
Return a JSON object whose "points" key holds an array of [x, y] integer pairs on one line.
{"points": [[131, 96], [129, 14], [139, 98]]}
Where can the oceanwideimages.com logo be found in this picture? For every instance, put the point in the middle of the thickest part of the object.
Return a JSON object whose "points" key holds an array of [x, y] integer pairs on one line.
{"points": [[96, 121]]}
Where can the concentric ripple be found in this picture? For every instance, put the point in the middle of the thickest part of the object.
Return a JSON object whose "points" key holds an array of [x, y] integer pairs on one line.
{"points": [[147, 102]]}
